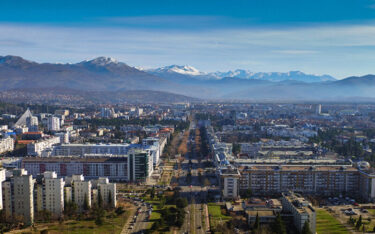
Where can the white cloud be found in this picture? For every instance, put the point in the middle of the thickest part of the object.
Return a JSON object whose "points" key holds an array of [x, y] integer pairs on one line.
{"points": [[340, 50]]}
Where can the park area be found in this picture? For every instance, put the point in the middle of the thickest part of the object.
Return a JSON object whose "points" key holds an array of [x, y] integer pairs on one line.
{"points": [[326, 223], [112, 223], [217, 218]]}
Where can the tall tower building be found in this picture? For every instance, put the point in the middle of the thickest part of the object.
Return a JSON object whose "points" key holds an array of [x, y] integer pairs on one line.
{"points": [[318, 110]]}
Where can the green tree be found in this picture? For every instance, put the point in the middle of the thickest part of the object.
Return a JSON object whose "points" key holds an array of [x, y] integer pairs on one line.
{"points": [[152, 195], [70, 208], [306, 228], [359, 223], [181, 202], [86, 206], [278, 227], [109, 198], [100, 199], [236, 149], [257, 222]]}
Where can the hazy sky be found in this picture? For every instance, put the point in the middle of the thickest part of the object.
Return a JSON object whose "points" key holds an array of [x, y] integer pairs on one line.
{"points": [[335, 37]]}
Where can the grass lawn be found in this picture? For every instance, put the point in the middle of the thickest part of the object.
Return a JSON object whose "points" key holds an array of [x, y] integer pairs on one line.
{"points": [[110, 225], [216, 217], [326, 223]]}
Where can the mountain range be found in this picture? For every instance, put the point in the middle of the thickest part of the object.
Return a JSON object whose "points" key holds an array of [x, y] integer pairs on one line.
{"points": [[104, 80], [193, 73]]}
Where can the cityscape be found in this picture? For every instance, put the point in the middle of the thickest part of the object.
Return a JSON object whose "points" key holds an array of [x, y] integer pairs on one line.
{"points": [[148, 117]]}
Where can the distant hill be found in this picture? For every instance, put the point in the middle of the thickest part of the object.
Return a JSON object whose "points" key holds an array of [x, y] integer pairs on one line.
{"points": [[105, 80], [70, 96], [100, 74]]}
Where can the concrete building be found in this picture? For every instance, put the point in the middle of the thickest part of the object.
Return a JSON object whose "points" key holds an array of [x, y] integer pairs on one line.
{"points": [[18, 197], [64, 137], [81, 191], [107, 192], [6, 144], [32, 123], [159, 144], [62, 112], [37, 148], [2, 179], [312, 179], [83, 149], [53, 123], [301, 210], [106, 112], [135, 166], [229, 181], [53, 193]]}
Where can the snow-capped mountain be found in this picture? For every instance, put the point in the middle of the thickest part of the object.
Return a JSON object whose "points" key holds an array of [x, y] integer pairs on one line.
{"points": [[102, 61], [273, 76], [184, 70]]}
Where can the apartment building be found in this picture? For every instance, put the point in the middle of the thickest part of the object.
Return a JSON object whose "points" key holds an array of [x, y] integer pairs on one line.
{"points": [[314, 179], [301, 210], [53, 123], [83, 149], [6, 144], [367, 184], [159, 143], [107, 191], [2, 179], [50, 193], [135, 166], [18, 196], [229, 181], [38, 147], [81, 191]]}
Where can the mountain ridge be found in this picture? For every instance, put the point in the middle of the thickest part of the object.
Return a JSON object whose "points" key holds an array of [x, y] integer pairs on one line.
{"points": [[105, 75]]}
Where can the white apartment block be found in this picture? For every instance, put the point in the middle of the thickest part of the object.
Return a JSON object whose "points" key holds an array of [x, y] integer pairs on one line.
{"points": [[53, 193], [107, 191], [64, 137], [6, 144], [53, 123], [32, 123], [37, 148], [156, 144], [229, 182], [81, 191]]}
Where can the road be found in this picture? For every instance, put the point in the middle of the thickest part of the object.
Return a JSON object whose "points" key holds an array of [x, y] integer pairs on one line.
{"points": [[192, 187]]}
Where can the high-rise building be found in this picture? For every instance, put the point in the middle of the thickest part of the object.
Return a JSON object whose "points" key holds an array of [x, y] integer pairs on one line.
{"points": [[50, 194], [107, 192], [2, 179], [32, 123], [107, 112], [81, 191], [53, 123], [18, 197], [318, 110]]}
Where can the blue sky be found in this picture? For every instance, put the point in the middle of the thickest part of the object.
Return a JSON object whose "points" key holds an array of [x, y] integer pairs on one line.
{"points": [[335, 37]]}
